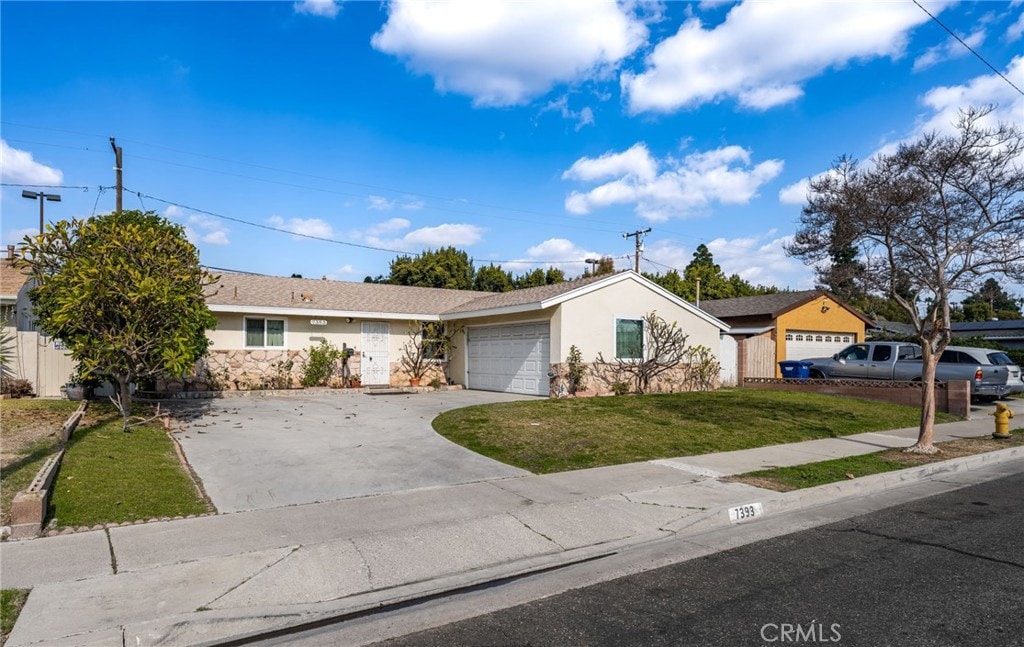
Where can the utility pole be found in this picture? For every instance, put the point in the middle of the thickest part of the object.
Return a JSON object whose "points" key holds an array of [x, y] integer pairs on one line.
{"points": [[639, 236], [117, 168]]}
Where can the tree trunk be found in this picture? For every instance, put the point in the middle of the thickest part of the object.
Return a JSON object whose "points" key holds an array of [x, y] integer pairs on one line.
{"points": [[927, 432], [124, 399]]}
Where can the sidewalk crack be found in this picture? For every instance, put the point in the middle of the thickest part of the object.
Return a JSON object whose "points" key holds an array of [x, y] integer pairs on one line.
{"points": [[250, 577], [110, 545], [534, 530], [366, 563]]}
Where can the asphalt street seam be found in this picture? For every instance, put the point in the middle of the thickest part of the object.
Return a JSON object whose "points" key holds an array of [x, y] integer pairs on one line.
{"points": [[209, 604], [919, 542]]}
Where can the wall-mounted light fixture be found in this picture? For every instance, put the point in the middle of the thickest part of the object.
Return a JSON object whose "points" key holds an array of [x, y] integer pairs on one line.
{"points": [[824, 306], [348, 319]]}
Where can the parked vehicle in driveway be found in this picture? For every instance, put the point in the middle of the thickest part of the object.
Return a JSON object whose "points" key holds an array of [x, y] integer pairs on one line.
{"points": [[991, 373]]}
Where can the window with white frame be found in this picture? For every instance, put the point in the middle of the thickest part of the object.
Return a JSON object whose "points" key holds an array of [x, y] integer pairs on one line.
{"points": [[264, 333], [629, 338]]}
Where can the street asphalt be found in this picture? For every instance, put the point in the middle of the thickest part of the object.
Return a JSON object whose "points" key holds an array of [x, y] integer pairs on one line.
{"points": [[212, 579]]}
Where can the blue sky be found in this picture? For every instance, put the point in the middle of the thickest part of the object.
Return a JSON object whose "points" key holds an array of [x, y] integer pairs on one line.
{"points": [[528, 133]]}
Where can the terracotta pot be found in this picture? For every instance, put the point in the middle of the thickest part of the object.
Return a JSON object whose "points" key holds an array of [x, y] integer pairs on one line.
{"points": [[415, 381]]}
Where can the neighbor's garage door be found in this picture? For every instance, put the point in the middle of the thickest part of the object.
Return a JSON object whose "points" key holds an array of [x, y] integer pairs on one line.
{"points": [[513, 359], [804, 344]]}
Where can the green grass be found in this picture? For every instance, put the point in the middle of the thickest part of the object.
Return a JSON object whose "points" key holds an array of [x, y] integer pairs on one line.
{"points": [[28, 456], [110, 476], [545, 436], [808, 475], [11, 601]]}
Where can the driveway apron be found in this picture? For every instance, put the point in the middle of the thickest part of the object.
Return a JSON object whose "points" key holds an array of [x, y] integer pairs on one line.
{"points": [[261, 452]]}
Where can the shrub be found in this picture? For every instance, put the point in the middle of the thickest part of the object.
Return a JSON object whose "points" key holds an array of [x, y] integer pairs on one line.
{"points": [[15, 387], [577, 371], [320, 366]]}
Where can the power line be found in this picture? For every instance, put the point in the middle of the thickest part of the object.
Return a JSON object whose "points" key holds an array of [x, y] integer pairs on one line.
{"points": [[335, 241], [573, 222], [969, 48], [47, 186]]}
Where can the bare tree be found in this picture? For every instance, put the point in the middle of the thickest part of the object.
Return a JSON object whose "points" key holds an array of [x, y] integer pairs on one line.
{"points": [[663, 349], [938, 216]]}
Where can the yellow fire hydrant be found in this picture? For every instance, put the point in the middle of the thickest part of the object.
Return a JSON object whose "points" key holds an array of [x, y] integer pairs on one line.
{"points": [[1003, 415]]}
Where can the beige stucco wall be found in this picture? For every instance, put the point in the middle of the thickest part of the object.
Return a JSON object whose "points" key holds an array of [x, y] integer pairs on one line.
{"points": [[588, 321], [228, 343]]}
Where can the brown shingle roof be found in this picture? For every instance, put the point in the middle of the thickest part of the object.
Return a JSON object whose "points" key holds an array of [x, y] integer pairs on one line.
{"points": [[522, 297], [277, 292], [768, 304], [11, 279]]}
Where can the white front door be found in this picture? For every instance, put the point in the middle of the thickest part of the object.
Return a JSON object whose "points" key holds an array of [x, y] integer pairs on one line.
{"points": [[373, 366]]}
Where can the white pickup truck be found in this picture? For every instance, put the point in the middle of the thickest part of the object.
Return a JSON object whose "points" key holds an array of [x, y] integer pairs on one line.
{"points": [[991, 373]]}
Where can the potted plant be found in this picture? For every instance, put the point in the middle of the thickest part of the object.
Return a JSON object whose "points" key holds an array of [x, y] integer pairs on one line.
{"points": [[74, 388], [355, 380]]}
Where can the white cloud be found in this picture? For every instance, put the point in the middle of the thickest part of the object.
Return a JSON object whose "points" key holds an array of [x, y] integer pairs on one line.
{"points": [[947, 51], [388, 226], [682, 188], [15, 236], [344, 273], [19, 167], [199, 228], [761, 260], [583, 117], [1014, 31], [413, 205], [795, 193], [444, 235], [945, 102], [764, 51], [553, 252], [324, 8], [448, 234], [380, 203], [303, 226], [506, 53]]}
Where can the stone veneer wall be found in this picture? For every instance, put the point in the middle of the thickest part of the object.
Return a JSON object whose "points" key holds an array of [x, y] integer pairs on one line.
{"points": [[600, 378], [240, 370]]}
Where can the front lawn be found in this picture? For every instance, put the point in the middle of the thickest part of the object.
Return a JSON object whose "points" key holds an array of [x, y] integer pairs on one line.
{"points": [[11, 601], [784, 479], [545, 436], [109, 476]]}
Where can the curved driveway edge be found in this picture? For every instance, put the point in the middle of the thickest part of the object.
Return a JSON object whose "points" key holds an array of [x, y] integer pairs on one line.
{"points": [[265, 452]]}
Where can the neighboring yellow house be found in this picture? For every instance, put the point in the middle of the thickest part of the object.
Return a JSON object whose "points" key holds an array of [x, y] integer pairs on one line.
{"points": [[787, 326]]}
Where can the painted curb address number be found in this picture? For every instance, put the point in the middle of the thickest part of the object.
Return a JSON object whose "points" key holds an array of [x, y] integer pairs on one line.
{"points": [[745, 512]]}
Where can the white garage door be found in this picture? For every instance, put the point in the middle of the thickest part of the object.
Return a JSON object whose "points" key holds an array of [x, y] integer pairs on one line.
{"points": [[512, 359], [804, 344]]}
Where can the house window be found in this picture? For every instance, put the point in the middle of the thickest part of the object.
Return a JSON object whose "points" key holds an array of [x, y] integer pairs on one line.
{"points": [[828, 338], [799, 337], [819, 338], [629, 338], [431, 334], [789, 337], [264, 333]]}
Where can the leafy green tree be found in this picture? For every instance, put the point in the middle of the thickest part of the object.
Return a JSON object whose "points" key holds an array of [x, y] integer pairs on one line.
{"points": [[703, 268], [444, 268], [491, 278], [928, 220], [605, 265], [990, 301], [674, 283], [124, 292], [538, 277]]}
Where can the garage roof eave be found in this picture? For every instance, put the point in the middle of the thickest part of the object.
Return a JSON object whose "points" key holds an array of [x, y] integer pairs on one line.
{"points": [[749, 330]]}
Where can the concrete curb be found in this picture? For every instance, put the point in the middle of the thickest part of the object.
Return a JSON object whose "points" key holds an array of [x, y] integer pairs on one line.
{"points": [[238, 627]]}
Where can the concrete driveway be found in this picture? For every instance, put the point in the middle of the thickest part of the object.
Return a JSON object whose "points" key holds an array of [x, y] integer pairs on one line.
{"points": [[261, 452]]}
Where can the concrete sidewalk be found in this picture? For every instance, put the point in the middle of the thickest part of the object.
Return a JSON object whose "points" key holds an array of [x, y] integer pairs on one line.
{"points": [[202, 580]]}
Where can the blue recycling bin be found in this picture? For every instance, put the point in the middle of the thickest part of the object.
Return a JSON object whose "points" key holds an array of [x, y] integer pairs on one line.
{"points": [[795, 370]]}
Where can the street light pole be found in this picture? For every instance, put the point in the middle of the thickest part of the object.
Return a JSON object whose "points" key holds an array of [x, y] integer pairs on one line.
{"points": [[42, 197]]}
